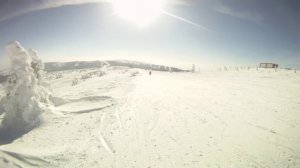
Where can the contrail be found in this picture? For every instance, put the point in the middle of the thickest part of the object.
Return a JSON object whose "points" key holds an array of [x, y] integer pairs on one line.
{"points": [[186, 20]]}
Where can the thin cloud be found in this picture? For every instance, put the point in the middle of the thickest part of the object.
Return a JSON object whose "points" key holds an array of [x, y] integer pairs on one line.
{"points": [[246, 15], [181, 2], [13, 8]]}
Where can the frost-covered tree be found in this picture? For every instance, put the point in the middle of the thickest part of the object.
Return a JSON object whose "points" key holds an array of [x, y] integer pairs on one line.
{"points": [[193, 68], [59, 75], [75, 82], [38, 70], [25, 93]]}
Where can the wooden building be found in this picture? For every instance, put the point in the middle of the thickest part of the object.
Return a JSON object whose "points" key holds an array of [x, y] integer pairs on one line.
{"points": [[268, 65]]}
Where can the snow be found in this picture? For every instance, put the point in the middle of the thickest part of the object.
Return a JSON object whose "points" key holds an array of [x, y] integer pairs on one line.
{"points": [[244, 118]]}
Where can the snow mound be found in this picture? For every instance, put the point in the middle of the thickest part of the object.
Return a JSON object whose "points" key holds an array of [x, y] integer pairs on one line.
{"points": [[24, 93], [15, 160], [86, 104]]}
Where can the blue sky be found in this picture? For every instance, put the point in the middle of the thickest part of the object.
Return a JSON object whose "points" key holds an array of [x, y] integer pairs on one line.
{"points": [[238, 32]]}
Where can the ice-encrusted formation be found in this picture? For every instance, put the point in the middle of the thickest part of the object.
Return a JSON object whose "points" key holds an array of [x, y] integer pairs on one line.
{"points": [[38, 69], [24, 91]]}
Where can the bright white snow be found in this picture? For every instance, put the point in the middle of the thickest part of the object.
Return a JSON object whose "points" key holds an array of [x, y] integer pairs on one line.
{"points": [[214, 119]]}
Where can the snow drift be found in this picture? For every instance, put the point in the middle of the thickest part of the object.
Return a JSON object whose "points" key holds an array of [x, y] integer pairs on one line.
{"points": [[24, 93]]}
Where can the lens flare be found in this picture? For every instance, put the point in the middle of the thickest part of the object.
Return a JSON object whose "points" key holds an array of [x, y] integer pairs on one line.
{"points": [[140, 12]]}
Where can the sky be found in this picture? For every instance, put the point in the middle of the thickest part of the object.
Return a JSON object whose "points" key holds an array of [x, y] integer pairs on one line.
{"points": [[201, 32]]}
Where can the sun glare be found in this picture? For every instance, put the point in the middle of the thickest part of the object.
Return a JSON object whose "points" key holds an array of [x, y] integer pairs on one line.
{"points": [[140, 12]]}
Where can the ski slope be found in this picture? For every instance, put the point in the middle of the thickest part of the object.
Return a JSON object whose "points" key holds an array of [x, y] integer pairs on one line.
{"points": [[127, 118]]}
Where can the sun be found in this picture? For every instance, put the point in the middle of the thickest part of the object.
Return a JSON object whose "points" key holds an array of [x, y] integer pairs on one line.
{"points": [[140, 12]]}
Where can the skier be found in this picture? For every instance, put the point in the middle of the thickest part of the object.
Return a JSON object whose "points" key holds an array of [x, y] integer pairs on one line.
{"points": [[150, 72]]}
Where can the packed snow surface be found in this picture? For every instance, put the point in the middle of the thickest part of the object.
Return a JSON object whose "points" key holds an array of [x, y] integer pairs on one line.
{"points": [[126, 118]]}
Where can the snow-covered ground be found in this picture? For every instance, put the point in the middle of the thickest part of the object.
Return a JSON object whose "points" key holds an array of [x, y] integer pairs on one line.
{"points": [[127, 118]]}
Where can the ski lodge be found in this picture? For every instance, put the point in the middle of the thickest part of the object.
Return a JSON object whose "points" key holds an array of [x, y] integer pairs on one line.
{"points": [[268, 65]]}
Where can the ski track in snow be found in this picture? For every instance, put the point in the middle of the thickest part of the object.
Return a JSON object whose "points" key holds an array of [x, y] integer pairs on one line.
{"points": [[213, 119]]}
